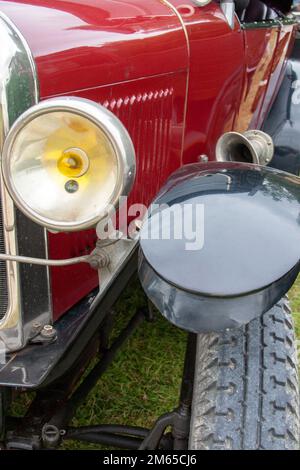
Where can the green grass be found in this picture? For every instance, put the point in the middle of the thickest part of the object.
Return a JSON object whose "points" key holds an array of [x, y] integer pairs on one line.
{"points": [[144, 380], [295, 303]]}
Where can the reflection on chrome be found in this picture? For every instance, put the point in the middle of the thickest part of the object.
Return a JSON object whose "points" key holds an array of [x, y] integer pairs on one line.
{"points": [[18, 91]]}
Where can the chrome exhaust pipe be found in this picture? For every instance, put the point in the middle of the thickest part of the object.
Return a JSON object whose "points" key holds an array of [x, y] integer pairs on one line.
{"points": [[251, 147]]}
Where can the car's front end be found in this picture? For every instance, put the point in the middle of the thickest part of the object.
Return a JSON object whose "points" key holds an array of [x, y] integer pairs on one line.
{"points": [[100, 102], [31, 74], [83, 119]]}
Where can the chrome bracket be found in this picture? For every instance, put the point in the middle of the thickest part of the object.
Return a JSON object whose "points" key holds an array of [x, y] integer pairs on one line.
{"points": [[109, 259], [228, 8]]}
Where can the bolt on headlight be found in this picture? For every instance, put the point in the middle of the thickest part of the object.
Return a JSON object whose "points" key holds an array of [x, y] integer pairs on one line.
{"points": [[65, 161]]}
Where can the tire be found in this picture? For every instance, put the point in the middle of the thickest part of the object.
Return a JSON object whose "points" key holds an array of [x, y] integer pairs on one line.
{"points": [[246, 391]]}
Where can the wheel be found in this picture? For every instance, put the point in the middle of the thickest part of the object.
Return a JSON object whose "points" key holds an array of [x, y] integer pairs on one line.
{"points": [[246, 391]]}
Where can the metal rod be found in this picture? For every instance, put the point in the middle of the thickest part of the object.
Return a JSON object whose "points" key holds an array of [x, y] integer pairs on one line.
{"points": [[186, 392], [179, 419], [181, 426], [153, 439], [45, 262], [65, 262], [123, 442], [135, 431], [126, 437]]}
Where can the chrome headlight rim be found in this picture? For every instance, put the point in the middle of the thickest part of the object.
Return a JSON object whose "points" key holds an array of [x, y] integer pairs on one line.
{"points": [[112, 128]]}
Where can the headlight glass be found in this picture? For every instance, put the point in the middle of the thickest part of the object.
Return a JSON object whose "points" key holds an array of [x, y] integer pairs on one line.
{"points": [[63, 167]]}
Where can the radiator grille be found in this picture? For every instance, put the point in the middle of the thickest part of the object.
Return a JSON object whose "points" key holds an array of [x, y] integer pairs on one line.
{"points": [[148, 118], [3, 272]]}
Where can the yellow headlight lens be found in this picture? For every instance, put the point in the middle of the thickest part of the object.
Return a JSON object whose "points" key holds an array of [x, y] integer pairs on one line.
{"points": [[73, 163], [64, 169]]}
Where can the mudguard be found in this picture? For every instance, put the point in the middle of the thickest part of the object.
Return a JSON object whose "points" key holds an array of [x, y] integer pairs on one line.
{"points": [[237, 253], [283, 121]]}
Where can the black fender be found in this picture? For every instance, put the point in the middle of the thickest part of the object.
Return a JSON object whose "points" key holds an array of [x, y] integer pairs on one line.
{"points": [[248, 258], [283, 121]]}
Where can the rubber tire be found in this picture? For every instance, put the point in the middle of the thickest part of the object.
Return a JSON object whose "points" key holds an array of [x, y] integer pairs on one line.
{"points": [[246, 391]]}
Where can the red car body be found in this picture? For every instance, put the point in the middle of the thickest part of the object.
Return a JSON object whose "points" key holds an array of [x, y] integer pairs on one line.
{"points": [[187, 75], [176, 105]]}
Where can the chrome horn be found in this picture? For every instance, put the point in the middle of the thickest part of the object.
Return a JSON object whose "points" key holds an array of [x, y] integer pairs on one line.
{"points": [[250, 147]]}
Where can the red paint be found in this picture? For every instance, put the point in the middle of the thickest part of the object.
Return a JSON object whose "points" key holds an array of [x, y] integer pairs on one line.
{"points": [[176, 88], [216, 77], [86, 44], [260, 46]]}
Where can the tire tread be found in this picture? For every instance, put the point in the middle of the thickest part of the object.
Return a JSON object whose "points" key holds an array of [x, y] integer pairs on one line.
{"points": [[246, 386]]}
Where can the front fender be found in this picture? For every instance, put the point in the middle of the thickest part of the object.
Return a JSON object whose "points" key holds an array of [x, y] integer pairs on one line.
{"points": [[245, 253]]}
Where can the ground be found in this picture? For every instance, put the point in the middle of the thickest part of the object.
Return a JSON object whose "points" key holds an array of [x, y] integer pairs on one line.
{"points": [[144, 380]]}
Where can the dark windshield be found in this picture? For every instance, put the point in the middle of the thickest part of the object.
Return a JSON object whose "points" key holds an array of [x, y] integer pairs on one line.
{"points": [[282, 5]]}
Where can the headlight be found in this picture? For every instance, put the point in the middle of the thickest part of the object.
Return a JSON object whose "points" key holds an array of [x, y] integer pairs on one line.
{"points": [[65, 161]]}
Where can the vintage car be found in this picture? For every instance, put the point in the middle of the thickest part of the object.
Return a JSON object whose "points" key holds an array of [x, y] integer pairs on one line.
{"points": [[158, 137]]}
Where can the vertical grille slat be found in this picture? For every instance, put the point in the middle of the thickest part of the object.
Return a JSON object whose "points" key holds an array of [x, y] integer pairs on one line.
{"points": [[3, 272], [148, 117]]}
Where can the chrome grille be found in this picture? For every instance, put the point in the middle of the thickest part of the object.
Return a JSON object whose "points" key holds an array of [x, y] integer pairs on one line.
{"points": [[3, 272]]}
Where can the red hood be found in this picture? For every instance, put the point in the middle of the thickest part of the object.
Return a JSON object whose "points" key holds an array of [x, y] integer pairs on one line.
{"points": [[89, 43]]}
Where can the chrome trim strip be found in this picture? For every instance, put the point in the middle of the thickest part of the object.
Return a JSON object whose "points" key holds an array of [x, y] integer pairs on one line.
{"points": [[186, 34], [269, 24], [18, 59], [46, 241], [18, 91], [262, 24]]}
